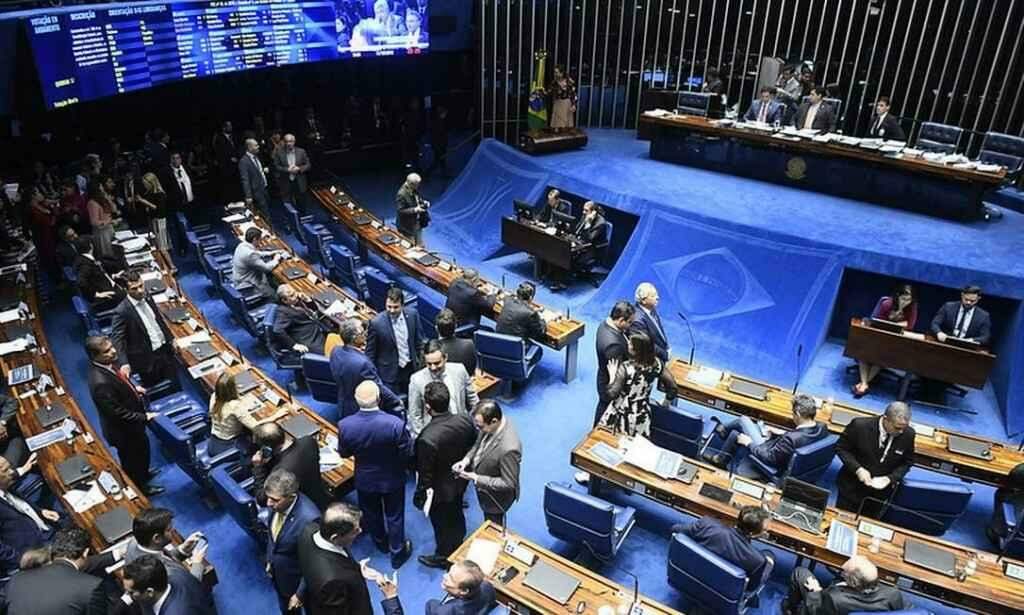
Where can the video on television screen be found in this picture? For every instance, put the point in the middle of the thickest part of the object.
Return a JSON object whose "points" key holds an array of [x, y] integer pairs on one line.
{"points": [[381, 27]]}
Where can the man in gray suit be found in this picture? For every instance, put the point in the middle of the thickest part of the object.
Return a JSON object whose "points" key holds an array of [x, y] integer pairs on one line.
{"points": [[254, 179], [292, 164], [493, 462], [251, 266], [438, 369]]}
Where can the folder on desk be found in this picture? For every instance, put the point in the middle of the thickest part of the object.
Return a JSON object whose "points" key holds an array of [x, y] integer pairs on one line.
{"points": [[155, 286], [551, 582], [298, 426], [50, 415], [202, 350], [175, 314], [246, 381], [294, 273], [749, 389], [428, 260], [114, 524], [969, 447], [388, 238], [74, 470], [925, 555]]}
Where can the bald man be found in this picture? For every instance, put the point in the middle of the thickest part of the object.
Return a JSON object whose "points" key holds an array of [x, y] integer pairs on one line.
{"points": [[857, 590], [413, 216], [381, 446], [292, 164]]}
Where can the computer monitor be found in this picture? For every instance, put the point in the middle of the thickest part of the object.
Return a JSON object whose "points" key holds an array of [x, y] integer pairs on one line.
{"points": [[524, 211], [810, 495], [563, 220]]}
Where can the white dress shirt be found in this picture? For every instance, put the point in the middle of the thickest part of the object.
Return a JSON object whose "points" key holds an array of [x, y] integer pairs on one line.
{"points": [[812, 112], [966, 324], [24, 508], [184, 182], [156, 336], [327, 545], [159, 604]]}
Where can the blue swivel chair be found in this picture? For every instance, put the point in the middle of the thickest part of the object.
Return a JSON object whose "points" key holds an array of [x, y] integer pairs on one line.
{"points": [[677, 429], [808, 462], [89, 322], [1011, 516], [70, 275], [347, 269], [377, 285], [184, 442], [508, 357], [925, 506], [316, 370], [573, 516], [248, 313], [938, 138], [316, 238], [233, 485], [216, 267], [706, 579], [1004, 149]]}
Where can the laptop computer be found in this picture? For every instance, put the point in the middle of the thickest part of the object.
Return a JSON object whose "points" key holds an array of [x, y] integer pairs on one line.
{"points": [[969, 447], [886, 325], [202, 350], [114, 524], [246, 381], [802, 505], [926, 556], [50, 415], [175, 314], [299, 426], [388, 238], [551, 582], [74, 470], [294, 273], [361, 219], [842, 417], [428, 260], [962, 342], [749, 389], [155, 286], [328, 296]]}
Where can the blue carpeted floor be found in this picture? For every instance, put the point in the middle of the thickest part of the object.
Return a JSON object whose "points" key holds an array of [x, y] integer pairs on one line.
{"points": [[551, 416]]}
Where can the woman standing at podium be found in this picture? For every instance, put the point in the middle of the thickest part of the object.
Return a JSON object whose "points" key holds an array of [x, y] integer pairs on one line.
{"points": [[630, 385], [563, 101], [900, 308]]}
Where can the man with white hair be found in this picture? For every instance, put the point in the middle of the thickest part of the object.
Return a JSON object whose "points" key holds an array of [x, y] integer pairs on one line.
{"points": [[381, 446], [856, 590], [296, 325], [292, 164], [876, 454], [413, 214], [647, 319]]}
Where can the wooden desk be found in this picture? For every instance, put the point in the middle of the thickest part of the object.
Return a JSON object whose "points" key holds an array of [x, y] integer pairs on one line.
{"points": [[596, 591], [531, 238], [906, 183], [486, 385], [924, 356], [988, 590], [562, 332], [930, 450]]}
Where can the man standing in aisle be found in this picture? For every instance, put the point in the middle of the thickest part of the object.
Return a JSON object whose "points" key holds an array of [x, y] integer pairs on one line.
{"points": [[292, 164], [493, 462], [254, 179]]}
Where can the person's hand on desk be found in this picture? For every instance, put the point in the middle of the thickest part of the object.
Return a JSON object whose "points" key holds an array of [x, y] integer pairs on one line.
{"points": [[941, 336]]}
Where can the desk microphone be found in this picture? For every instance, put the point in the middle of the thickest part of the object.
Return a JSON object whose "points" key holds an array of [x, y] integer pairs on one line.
{"points": [[799, 353], [503, 281], [636, 580], [455, 263], [693, 340], [503, 509]]}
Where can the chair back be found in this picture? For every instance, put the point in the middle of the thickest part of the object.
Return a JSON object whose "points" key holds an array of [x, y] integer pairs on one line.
{"points": [[705, 578], [694, 103], [428, 310], [377, 285], [176, 444], [501, 355], [938, 138], [85, 315], [316, 238], [677, 429], [294, 220], [236, 304], [810, 461], [232, 487], [580, 518], [925, 506], [70, 275], [1004, 149], [835, 103], [346, 267], [208, 263], [316, 368]]}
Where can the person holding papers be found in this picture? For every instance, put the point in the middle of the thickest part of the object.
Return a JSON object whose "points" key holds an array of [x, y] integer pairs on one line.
{"points": [[963, 319], [876, 454]]}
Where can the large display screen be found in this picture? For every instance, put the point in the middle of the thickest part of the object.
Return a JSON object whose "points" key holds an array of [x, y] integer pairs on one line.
{"points": [[91, 51]]}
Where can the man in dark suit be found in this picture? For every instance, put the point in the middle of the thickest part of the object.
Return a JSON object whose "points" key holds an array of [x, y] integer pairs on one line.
{"points": [[296, 326], [816, 113], [301, 457], [735, 544], [350, 366], [22, 525], [122, 411], [291, 512], [553, 203], [592, 231], [67, 586], [381, 446], [765, 109], [466, 590], [393, 342], [518, 316], [97, 286], [148, 584], [254, 179], [140, 335], [333, 579], [494, 461], [876, 455], [467, 300], [225, 152], [857, 590], [412, 208], [292, 164], [445, 440], [66, 250], [648, 320], [885, 125], [158, 149], [153, 533], [963, 318], [176, 181], [457, 349]]}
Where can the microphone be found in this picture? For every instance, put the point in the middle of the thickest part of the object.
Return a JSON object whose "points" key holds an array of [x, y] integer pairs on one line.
{"points": [[455, 263], [693, 340], [503, 281], [799, 353], [503, 509], [636, 580]]}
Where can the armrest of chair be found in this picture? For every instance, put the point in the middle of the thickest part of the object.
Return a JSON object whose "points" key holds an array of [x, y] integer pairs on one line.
{"points": [[230, 455], [204, 229]]}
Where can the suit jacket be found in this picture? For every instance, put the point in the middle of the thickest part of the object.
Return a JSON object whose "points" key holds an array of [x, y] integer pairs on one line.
{"points": [[463, 397], [468, 302], [824, 120], [93, 278], [480, 604], [729, 544], [302, 459], [351, 366], [56, 589], [254, 183], [280, 159], [381, 447], [406, 201], [130, 336], [460, 350], [382, 349], [18, 533], [652, 326], [334, 583], [295, 325], [594, 233], [519, 318], [979, 330], [67, 254], [498, 469], [775, 110], [890, 128], [224, 149], [187, 597], [858, 448], [175, 195], [839, 599], [249, 269], [611, 344], [283, 553], [445, 440], [778, 450], [122, 410]]}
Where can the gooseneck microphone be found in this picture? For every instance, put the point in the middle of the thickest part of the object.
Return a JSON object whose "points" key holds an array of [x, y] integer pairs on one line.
{"points": [[799, 353], [693, 340], [503, 509], [636, 580]]}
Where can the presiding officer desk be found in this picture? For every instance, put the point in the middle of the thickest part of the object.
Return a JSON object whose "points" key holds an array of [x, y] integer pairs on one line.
{"points": [[853, 171], [988, 590], [930, 448], [562, 332], [594, 590], [532, 237], [311, 284]]}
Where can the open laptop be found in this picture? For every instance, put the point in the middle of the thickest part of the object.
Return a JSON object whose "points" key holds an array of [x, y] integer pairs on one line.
{"points": [[926, 556], [114, 524], [74, 470], [175, 314], [802, 505], [299, 426], [749, 389], [886, 325], [388, 238], [969, 447], [245, 382], [202, 350]]}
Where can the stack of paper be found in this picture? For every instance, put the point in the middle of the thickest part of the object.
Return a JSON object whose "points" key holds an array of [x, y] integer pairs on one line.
{"points": [[13, 314], [484, 553], [329, 458], [195, 338], [80, 500], [135, 244], [705, 376], [212, 365], [13, 346]]}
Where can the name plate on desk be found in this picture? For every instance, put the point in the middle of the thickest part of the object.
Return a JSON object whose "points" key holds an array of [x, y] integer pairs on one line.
{"points": [[742, 486], [875, 531], [1014, 571]]}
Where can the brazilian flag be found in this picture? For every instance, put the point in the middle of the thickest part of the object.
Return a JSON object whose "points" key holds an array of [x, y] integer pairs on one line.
{"points": [[537, 112]]}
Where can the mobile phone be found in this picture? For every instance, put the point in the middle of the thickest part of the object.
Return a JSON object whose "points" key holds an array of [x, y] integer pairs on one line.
{"points": [[201, 544], [507, 575], [109, 483], [266, 452]]}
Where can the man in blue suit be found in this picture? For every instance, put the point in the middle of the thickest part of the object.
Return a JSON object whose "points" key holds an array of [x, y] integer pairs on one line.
{"points": [[647, 320], [963, 319], [393, 342], [350, 366], [291, 512], [735, 544], [466, 593], [381, 446], [22, 525], [765, 109], [147, 583]]}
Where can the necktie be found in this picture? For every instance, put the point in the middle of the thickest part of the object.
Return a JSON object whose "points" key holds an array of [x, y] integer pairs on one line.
{"points": [[26, 509], [762, 115], [484, 443], [276, 524], [878, 124], [886, 443], [958, 330], [401, 340], [259, 167]]}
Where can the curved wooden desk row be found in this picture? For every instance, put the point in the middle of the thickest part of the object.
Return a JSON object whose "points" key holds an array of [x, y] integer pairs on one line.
{"points": [[85, 442], [594, 591], [562, 332], [930, 447], [988, 590], [311, 284]]}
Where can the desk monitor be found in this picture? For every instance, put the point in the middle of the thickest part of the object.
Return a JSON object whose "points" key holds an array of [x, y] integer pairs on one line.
{"points": [[886, 325], [74, 470], [524, 211], [564, 221]]}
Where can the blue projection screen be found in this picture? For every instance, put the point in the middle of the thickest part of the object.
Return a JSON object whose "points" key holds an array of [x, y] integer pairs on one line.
{"points": [[91, 51]]}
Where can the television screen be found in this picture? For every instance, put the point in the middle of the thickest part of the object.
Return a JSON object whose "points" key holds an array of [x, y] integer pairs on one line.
{"points": [[86, 52]]}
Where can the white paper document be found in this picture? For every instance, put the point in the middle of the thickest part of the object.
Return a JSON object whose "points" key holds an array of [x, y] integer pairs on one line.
{"points": [[81, 500]]}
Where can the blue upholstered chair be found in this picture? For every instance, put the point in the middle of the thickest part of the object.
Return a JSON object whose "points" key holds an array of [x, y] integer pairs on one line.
{"points": [[925, 506], [70, 275], [216, 267], [183, 441], [377, 285], [316, 370], [706, 579], [204, 234], [573, 516], [428, 309], [177, 404], [89, 322], [835, 103], [316, 238], [808, 462], [913, 611], [677, 429], [506, 356], [1003, 149], [233, 486], [294, 220], [939, 138], [249, 313], [1010, 516], [347, 269]]}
